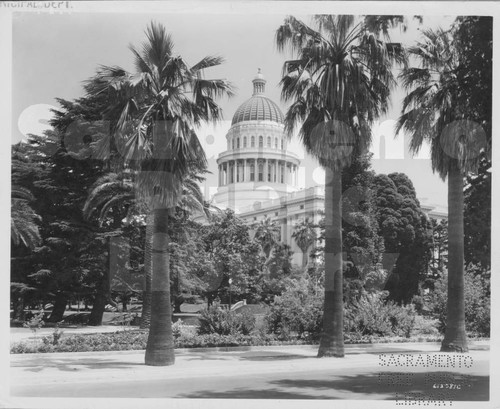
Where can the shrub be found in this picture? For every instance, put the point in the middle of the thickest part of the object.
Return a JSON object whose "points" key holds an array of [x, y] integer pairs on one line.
{"points": [[297, 312], [425, 326], [477, 300], [373, 315], [180, 329], [215, 320]]}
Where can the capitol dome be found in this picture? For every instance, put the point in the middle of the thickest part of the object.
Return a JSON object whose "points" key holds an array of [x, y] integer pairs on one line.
{"points": [[257, 166], [258, 107]]}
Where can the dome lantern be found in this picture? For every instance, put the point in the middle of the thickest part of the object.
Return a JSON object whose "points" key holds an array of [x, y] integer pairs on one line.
{"points": [[259, 84]]}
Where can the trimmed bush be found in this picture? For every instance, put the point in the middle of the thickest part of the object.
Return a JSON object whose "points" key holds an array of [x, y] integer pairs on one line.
{"points": [[116, 341], [136, 340]]}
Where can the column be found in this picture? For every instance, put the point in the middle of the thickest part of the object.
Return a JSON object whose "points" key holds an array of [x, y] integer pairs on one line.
{"points": [[248, 163]]}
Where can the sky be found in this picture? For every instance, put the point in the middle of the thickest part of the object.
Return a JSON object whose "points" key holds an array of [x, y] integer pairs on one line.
{"points": [[52, 53]]}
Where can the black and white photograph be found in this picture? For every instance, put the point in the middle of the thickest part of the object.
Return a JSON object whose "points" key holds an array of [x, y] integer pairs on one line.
{"points": [[249, 203]]}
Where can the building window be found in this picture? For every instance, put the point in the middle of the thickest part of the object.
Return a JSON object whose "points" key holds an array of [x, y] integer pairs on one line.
{"points": [[252, 172], [301, 207], [244, 141], [254, 219], [261, 172], [268, 172], [268, 141], [282, 172], [275, 143], [233, 145], [231, 173], [281, 143], [238, 143], [252, 143], [275, 213], [238, 167], [261, 141]]}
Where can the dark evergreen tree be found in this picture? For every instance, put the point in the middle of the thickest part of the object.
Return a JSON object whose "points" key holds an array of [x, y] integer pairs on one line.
{"points": [[407, 234]]}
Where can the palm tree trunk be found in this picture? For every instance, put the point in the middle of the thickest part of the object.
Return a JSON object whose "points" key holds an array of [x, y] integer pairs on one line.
{"points": [[304, 259], [332, 337], [455, 338], [160, 345], [148, 263]]}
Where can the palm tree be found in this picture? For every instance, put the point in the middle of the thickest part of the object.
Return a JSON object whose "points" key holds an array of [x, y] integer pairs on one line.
{"points": [[112, 196], [160, 106], [304, 234], [339, 83], [267, 233], [433, 111], [23, 227]]}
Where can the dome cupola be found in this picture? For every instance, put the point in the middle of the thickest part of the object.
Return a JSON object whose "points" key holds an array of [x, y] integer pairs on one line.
{"points": [[258, 107], [259, 84]]}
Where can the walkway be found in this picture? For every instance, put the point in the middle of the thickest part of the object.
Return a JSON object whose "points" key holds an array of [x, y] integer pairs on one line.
{"points": [[377, 371]]}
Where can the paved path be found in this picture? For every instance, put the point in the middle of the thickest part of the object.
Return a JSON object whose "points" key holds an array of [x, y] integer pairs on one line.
{"points": [[259, 373]]}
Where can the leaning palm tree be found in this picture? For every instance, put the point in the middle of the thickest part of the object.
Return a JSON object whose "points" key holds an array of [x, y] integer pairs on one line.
{"points": [[23, 227], [433, 112], [113, 191], [304, 234], [160, 106], [339, 83]]}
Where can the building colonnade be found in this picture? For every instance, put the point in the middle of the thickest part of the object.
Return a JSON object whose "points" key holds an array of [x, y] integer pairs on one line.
{"points": [[258, 170]]}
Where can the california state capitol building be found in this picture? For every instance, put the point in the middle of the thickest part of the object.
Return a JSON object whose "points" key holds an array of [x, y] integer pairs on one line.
{"points": [[259, 175]]}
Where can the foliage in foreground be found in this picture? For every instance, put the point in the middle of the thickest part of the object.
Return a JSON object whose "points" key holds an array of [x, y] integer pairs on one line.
{"points": [[215, 320], [477, 300], [297, 313]]}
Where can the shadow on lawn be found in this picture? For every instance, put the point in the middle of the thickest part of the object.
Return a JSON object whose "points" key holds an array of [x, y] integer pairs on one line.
{"points": [[476, 388]]}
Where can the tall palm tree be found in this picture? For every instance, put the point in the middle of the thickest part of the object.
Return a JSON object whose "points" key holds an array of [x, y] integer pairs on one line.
{"points": [[160, 105], [339, 83], [304, 234], [434, 112], [23, 227]]}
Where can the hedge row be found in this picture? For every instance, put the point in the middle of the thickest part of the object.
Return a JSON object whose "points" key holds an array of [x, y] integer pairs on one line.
{"points": [[136, 340]]}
